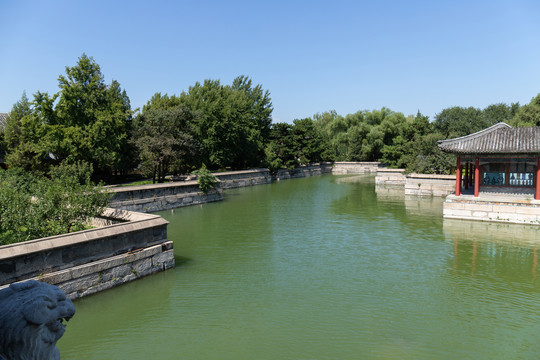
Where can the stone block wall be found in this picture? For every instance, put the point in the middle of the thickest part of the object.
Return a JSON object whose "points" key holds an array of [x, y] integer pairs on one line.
{"points": [[235, 179], [156, 197], [390, 177], [303, 171], [344, 168], [429, 184], [500, 210], [85, 262]]}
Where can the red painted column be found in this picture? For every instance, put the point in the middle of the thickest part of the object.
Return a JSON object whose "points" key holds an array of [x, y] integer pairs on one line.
{"points": [[458, 176], [476, 177], [537, 194], [467, 174]]}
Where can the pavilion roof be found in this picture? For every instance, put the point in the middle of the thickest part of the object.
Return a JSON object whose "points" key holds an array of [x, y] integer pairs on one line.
{"points": [[500, 138]]}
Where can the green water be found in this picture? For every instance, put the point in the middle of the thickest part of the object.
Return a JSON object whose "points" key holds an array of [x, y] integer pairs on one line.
{"points": [[323, 268]]}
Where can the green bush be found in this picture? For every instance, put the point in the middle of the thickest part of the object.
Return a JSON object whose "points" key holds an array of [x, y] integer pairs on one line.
{"points": [[33, 207], [205, 179]]}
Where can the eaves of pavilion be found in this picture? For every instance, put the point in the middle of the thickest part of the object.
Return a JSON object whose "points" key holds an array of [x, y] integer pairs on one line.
{"points": [[497, 159]]}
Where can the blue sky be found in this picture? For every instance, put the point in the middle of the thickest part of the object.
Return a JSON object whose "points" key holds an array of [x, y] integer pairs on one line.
{"points": [[312, 56]]}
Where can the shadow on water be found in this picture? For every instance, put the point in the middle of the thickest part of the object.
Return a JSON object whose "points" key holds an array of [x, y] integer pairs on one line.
{"points": [[114, 315]]}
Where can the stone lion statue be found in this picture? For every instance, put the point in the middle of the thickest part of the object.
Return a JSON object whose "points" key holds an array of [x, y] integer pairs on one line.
{"points": [[32, 318]]}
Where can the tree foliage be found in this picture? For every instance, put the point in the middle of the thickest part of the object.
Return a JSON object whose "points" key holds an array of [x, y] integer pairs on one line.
{"points": [[206, 180], [406, 142], [36, 206], [297, 144], [164, 138], [234, 122], [529, 115], [87, 120]]}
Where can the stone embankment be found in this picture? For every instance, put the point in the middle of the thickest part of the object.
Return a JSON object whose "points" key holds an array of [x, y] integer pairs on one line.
{"points": [[303, 171], [125, 246], [496, 208], [430, 184], [155, 197], [390, 177], [416, 184], [243, 178], [344, 168]]}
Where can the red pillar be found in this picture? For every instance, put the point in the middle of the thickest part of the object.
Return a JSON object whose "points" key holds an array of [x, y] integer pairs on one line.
{"points": [[458, 176], [537, 194], [476, 177], [466, 176]]}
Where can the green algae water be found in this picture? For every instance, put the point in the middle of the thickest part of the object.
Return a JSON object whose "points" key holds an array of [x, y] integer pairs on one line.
{"points": [[323, 268]]}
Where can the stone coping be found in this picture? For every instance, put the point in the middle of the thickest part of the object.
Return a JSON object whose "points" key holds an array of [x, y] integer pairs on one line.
{"points": [[153, 186], [498, 199], [431, 176], [132, 221], [383, 170], [357, 162], [170, 184], [240, 172]]}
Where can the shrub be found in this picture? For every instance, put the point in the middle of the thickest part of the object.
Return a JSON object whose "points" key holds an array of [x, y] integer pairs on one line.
{"points": [[205, 179], [34, 207]]}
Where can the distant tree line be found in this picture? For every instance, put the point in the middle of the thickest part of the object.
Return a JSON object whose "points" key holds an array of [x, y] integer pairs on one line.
{"points": [[58, 146], [221, 127]]}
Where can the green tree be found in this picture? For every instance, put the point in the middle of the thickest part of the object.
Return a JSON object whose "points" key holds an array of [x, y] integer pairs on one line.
{"points": [[280, 149], [164, 140], [458, 121], [12, 129], [234, 124], [310, 144], [90, 121], [501, 112], [529, 115]]}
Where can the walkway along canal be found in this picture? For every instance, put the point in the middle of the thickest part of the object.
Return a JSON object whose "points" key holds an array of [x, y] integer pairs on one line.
{"points": [[323, 268]]}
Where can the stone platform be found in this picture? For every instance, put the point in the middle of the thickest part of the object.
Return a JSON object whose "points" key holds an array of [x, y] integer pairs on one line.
{"points": [[497, 207]]}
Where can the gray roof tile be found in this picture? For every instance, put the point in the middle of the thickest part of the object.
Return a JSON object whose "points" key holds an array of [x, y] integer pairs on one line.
{"points": [[500, 138]]}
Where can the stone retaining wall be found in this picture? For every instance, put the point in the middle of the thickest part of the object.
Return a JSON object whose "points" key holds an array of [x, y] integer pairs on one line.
{"points": [[235, 179], [344, 168], [85, 262], [430, 185], [496, 209], [304, 171], [390, 177], [155, 197]]}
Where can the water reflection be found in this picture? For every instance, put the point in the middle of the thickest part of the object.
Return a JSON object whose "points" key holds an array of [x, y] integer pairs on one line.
{"points": [[494, 250], [390, 193]]}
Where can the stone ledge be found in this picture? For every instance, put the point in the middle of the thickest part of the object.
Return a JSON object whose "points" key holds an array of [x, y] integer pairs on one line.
{"points": [[87, 279], [386, 170], [48, 243], [432, 176]]}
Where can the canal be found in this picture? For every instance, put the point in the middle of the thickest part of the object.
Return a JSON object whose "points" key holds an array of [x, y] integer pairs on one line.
{"points": [[323, 268]]}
